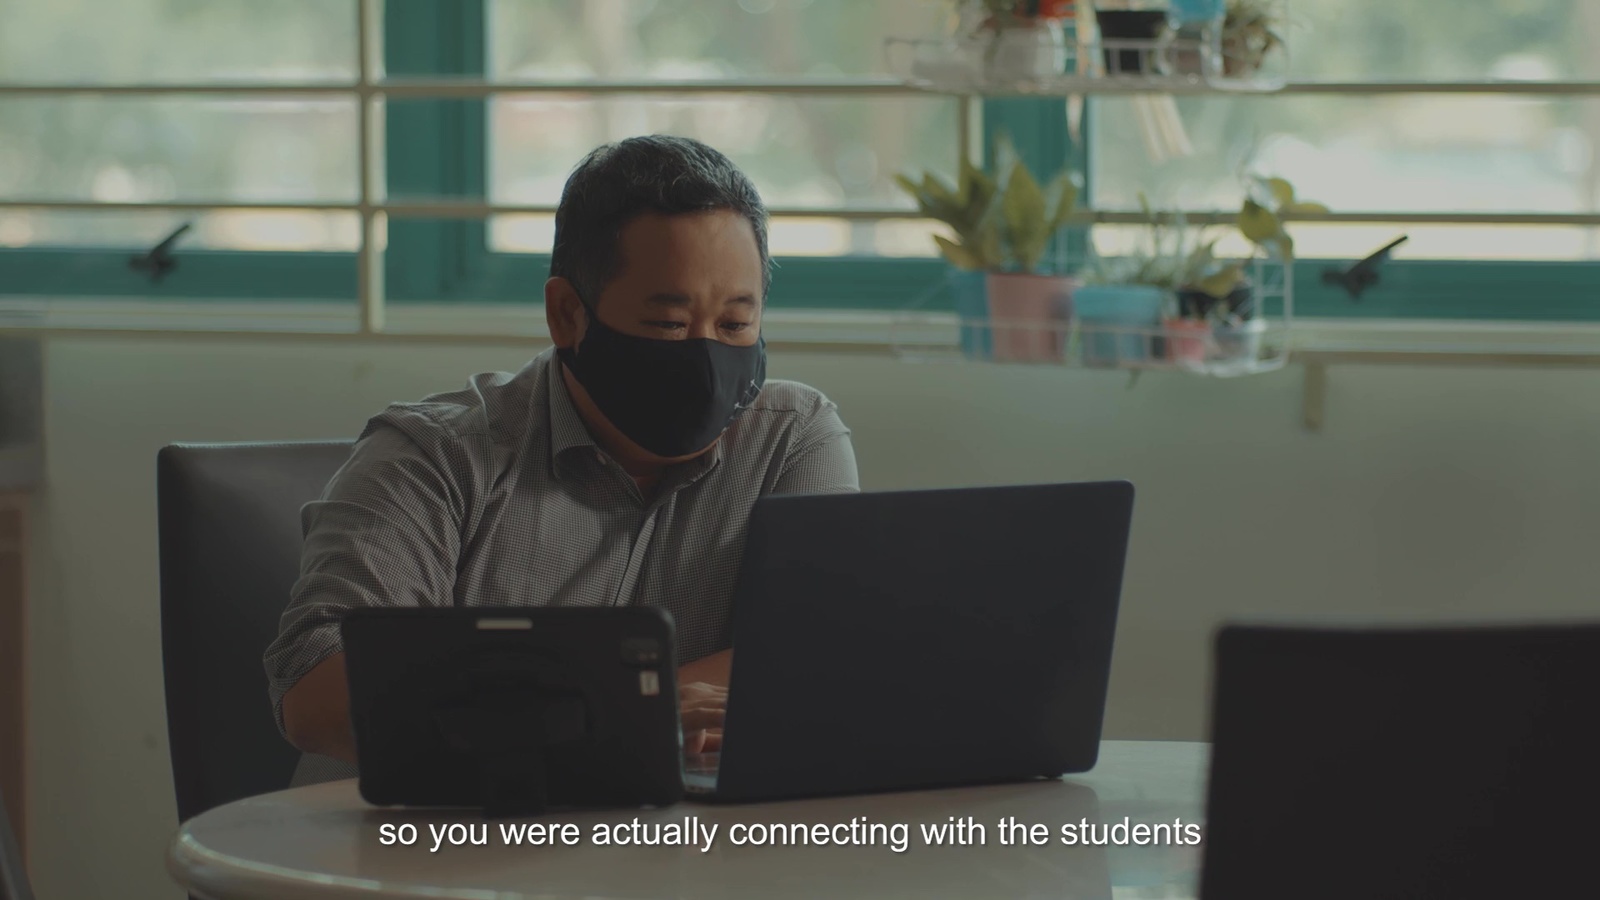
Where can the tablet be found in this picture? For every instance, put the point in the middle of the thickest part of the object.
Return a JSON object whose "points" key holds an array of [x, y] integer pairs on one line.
{"points": [[514, 711]]}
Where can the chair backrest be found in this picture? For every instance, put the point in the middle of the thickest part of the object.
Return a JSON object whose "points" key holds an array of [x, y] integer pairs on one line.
{"points": [[230, 553], [1411, 763], [13, 874]]}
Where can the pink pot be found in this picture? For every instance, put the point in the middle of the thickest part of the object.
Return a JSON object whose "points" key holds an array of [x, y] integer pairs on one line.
{"points": [[1029, 315], [1186, 339]]}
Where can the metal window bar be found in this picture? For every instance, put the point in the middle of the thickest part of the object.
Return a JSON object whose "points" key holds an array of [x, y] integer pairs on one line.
{"points": [[446, 209], [369, 262], [466, 88], [367, 89]]}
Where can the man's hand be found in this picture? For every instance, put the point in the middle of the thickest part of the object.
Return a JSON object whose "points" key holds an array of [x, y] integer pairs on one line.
{"points": [[316, 711], [702, 706]]}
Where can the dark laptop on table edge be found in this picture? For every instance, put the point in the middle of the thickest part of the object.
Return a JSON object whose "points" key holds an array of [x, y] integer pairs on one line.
{"points": [[915, 639]]}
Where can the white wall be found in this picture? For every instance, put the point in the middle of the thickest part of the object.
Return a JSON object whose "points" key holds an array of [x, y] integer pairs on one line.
{"points": [[1432, 492]]}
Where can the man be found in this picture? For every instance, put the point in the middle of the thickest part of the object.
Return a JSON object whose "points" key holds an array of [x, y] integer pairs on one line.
{"points": [[617, 468]]}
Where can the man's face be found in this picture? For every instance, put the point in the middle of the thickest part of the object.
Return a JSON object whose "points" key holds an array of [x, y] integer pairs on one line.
{"points": [[696, 275]]}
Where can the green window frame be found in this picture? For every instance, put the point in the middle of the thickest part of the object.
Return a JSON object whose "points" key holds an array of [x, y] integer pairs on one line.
{"points": [[452, 261], [438, 148]]}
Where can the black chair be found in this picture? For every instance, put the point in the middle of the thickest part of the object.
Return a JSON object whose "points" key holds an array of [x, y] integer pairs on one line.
{"points": [[13, 874], [1403, 763], [230, 553]]}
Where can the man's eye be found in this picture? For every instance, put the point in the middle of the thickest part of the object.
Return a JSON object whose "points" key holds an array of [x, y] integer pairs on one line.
{"points": [[735, 326], [670, 326]]}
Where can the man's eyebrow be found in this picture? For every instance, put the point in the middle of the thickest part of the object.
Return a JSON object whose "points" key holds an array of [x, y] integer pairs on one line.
{"points": [[678, 301]]}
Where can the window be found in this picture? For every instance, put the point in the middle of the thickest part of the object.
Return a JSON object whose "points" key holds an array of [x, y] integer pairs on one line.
{"points": [[1509, 172], [1496, 186], [136, 149], [105, 154], [812, 154], [824, 157]]}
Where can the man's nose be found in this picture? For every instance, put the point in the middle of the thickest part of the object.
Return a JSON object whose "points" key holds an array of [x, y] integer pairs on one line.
{"points": [[706, 328]]}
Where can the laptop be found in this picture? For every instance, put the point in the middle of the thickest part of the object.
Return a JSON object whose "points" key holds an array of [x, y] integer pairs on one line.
{"points": [[917, 639], [1402, 761]]}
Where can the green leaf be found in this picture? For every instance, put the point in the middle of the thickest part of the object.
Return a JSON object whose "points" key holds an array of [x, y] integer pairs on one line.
{"points": [[926, 203], [959, 256], [1024, 214], [1198, 263], [980, 203], [938, 189], [1062, 199], [990, 251], [1282, 192], [964, 185], [1223, 283], [1259, 224], [1306, 209]]}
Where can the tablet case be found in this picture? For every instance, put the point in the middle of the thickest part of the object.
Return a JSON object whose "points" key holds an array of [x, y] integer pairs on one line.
{"points": [[515, 711]]}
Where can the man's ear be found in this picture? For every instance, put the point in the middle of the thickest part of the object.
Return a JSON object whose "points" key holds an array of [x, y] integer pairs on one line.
{"points": [[563, 313]]}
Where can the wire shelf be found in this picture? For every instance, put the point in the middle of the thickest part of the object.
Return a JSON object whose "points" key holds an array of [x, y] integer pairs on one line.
{"points": [[1139, 335], [1077, 57]]}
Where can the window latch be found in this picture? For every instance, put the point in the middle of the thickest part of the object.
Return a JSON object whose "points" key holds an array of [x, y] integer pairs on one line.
{"points": [[159, 261], [1364, 274]]}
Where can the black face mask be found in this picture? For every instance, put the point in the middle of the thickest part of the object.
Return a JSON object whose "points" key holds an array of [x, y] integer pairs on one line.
{"points": [[671, 397]]}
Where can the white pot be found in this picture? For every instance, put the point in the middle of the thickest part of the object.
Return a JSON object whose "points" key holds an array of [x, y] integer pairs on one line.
{"points": [[1239, 342], [1022, 53]]}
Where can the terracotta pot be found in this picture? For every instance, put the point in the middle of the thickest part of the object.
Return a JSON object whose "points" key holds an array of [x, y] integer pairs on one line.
{"points": [[1028, 315], [1187, 339]]}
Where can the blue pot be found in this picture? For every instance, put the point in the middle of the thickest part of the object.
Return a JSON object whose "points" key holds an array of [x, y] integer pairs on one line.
{"points": [[1186, 11], [972, 307], [1134, 307]]}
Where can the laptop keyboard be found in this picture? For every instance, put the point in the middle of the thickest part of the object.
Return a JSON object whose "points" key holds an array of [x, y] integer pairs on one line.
{"points": [[701, 763]]}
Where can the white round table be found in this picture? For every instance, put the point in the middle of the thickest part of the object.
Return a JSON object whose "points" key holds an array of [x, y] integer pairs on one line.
{"points": [[323, 842]]}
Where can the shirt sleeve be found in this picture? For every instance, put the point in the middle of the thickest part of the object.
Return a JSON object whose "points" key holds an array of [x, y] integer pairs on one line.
{"points": [[822, 460], [386, 533]]}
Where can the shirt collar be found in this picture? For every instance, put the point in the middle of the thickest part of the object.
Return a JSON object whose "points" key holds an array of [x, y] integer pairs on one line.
{"points": [[567, 430]]}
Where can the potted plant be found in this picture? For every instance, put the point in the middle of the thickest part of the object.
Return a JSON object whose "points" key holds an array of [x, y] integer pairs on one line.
{"points": [[993, 43], [1127, 299], [1251, 29], [1207, 288], [1018, 40], [1239, 329], [1218, 294], [1194, 37], [973, 248], [1029, 306], [1003, 226], [1129, 35]]}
